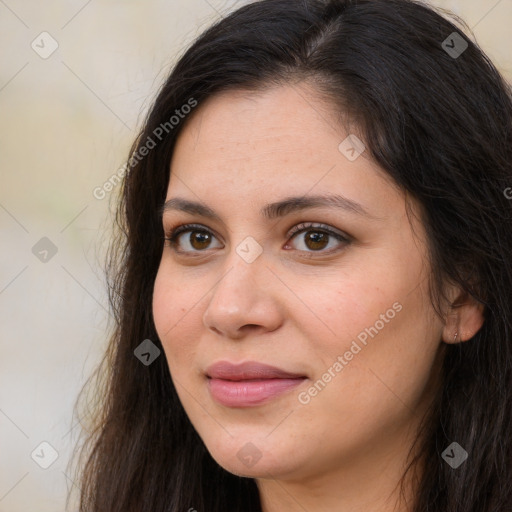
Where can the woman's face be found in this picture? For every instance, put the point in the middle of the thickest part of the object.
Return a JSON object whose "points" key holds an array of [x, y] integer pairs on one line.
{"points": [[339, 305]]}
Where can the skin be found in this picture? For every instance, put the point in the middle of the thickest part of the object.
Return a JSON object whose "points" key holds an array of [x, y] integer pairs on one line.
{"points": [[298, 306]]}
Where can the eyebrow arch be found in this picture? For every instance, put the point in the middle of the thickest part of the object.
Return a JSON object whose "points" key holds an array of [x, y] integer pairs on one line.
{"points": [[273, 210]]}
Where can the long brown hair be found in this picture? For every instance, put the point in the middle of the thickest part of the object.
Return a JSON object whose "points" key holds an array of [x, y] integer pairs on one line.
{"points": [[437, 117]]}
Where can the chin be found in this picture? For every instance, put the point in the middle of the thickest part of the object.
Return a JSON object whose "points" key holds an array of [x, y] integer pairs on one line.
{"points": [[252, 459]]}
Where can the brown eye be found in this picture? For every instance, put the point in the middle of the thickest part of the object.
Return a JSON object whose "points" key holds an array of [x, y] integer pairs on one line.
{"points": [[199, 239], [315, 238]]}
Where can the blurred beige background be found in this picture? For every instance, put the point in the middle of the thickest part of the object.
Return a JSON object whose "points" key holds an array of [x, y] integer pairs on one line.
{"points": [[67, 121]]}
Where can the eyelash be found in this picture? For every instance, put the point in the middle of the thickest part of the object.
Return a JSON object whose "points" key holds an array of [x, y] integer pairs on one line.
{"points": [[172, 234]]}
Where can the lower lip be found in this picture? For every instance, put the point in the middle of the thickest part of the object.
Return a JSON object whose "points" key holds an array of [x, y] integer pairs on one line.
{"points": [[247, 393]]}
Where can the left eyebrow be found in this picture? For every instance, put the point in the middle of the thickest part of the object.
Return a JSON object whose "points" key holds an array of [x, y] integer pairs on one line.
{"points": [[294, 204], [274, 210]]}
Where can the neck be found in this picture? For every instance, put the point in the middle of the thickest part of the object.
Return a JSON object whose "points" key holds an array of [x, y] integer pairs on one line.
{"points": [[371, 483], [367, 480]]}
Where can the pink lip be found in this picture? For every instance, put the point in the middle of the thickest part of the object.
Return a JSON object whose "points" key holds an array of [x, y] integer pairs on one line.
{"points": [[248, 384]]}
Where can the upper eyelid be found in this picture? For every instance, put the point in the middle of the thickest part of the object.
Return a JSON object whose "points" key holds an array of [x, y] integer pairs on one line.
{"points": [[303, 226], [170, 227]]}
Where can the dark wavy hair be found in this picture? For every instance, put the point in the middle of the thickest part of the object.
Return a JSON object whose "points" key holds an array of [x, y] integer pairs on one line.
{"points": [[440, 125]]}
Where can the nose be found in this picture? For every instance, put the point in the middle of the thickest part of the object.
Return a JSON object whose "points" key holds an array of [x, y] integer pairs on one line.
{"points": [[243, 300]]}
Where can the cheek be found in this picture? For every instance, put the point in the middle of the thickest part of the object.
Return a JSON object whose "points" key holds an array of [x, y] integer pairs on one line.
{"points": [[352, 306], [387, 358], [380, 387], [173, 314], [382, 326], [165, 307]]}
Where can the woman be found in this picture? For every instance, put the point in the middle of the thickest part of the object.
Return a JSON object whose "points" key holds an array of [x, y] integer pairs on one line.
{"points": [[312, 280]]}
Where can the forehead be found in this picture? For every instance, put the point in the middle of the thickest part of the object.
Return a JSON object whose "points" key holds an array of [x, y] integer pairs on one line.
{"points": [[271, 141]]}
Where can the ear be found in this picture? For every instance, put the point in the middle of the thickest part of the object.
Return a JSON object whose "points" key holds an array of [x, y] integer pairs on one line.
{"points": [[464, 318]]}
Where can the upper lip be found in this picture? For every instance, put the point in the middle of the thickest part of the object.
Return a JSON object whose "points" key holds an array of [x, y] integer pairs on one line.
{"points": [[250, 370]]}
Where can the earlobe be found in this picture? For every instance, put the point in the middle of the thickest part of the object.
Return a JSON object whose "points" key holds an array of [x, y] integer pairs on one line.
{"points": [[464, 320]]}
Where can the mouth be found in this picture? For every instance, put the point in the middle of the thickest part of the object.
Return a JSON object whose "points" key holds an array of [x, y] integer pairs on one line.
{"points": [[249, 384]]}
